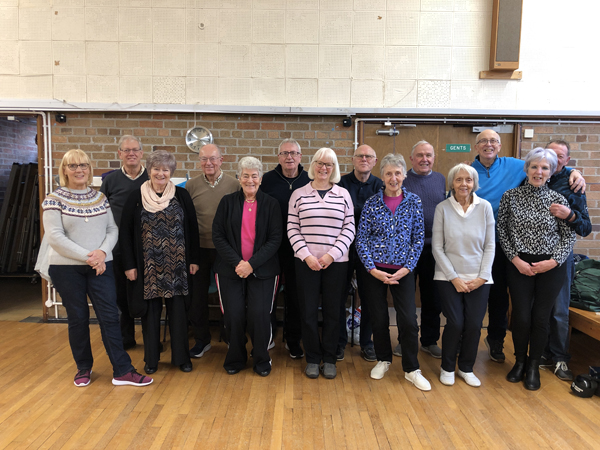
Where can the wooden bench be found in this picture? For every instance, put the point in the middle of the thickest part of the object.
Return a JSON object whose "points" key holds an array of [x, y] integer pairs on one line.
{"points": [[586, 321]]}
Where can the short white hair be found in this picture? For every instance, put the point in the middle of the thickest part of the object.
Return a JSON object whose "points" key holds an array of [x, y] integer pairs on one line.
{"points": [[470, 170]]}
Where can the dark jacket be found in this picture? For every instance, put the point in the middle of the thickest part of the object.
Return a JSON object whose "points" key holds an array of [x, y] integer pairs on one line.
{"points": [[559, 182], [278, 186], [130, 240], [227, 235]]}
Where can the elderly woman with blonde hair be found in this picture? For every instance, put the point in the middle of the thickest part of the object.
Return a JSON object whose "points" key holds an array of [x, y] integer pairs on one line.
{"points": [[81, 232], [247, 233]]}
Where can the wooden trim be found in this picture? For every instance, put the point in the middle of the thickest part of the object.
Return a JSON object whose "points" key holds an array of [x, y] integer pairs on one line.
{"points": [[494, 63], [500, 75]]}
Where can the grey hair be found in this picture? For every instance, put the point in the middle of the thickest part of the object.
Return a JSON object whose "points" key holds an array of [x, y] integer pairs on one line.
{"points": [[420, 143], [250, 163], [393, 160], [161, 158], [560, 142], [470, 170], [129, 137], [290, 141], [539, 153], [326, 153], [479, 135]]}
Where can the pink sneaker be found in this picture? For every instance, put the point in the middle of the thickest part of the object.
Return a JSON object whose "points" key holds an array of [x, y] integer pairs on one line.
{"points": [[83, 377], [132, 379]]}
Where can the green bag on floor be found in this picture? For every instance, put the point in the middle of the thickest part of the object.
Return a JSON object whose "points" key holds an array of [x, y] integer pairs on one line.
{"points": [[585, 290]]}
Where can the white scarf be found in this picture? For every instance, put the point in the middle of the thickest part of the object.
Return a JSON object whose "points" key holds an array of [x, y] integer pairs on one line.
{"points": [[150, 199]]}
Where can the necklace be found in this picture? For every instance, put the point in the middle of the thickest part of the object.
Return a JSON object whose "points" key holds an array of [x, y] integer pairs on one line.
{"points": [[250, 203], [288, 178]]}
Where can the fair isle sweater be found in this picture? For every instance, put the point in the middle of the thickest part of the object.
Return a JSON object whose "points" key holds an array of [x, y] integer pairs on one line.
{"points": [[70, 236], [318, 226]]}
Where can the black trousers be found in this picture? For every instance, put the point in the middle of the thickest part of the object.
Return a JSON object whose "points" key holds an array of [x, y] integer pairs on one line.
{"points": [[533, 299], [331, 284], [464, 314], [498, 298], [431, 305], [180, 353], [247, 304], [199, 311], [403, 295], [292, 317], [126, 322]]}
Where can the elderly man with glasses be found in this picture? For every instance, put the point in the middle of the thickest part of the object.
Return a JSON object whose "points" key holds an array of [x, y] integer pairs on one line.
{"points": [[206, 191], [117, 186], [280, 183]]}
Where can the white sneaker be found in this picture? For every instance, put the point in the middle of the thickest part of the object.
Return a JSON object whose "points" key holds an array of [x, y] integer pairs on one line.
{"points": [[416, 378], [271, 345], [446, 378], [380, 369], [469, 378]]}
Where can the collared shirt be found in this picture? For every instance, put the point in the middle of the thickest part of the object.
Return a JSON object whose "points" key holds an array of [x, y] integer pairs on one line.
{"points": [[212, 185], [133, 178], [459, 208]]}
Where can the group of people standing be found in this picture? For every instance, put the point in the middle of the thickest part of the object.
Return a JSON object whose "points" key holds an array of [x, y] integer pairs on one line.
{"points": [[311, 230]]}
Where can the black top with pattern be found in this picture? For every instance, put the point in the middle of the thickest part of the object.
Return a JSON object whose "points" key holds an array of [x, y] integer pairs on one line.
{"points": [[525, 224], [163, 243]]}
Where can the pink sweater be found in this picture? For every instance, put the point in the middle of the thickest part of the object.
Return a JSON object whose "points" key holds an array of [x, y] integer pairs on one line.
{"points": [[317, 226]]}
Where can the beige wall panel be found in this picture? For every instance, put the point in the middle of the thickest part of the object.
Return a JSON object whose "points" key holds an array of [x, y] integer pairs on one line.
{"points": [[202, 90], [168, 3], [269, 4], [69, 3], [135, 89], [102, 89], [305, 4], [334, 93], [335, 27], [268, 61], [471, 29], [10, 86], [433, 94], [134, 3], [437, 5], [9, 57], [404, 5], [70, 88], [368, 62], [202, 25], [168, 25], [234, 4], [135, 24], [235, 27], [101, 24], [234, 91], [369, 28], [435, 28], [10, 3], [9, 24], [168, 90], [302, 27], [467, 94], [369, 5], [502, 94], [202, 60], [102, 3], [533, 95], [102, 58], [135, 58], [302, 92], [302, 61], [402, 28], [435, 63], [68, 24], [337, 4], [366, 93], [400, 94], [472, 5], [68, 57], [335, 61], [169, 60], [268, 91], [234, 61], [468, 61], [35, 24], [35, 58], [401, 62], [268, 27], [36, 87]]}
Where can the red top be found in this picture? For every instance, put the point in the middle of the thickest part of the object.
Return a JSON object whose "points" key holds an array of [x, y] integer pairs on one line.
{"points": [[248, 229]]}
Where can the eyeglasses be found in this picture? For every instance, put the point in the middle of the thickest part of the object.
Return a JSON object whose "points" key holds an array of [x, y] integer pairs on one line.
{"points": [[367, 157], [74, 167], [292, 154], [488, 141], [212, 159], [130, 150], [320, 164]]}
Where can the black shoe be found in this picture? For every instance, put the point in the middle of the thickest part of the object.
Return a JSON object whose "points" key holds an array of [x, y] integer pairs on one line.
{"points": [[546, 361], [368, 354], [232, 371], [128, 345], [532, 375], [263, 373], [495, 349], [186, 367], [198, 350], [517, 372], [150, 370], [561, 370], [339, 354], [161, 347], [295, 350]]}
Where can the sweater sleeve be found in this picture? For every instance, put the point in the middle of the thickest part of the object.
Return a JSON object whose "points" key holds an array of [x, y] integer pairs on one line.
{"points": [[362, 235], [567, 237], [437, 243], [348, 231], [219, 233], [417, 235], [504, 227], [112, 234], [58, 239], [127, 233], [578, 204], [191, 224], [293, 227], [489, 245]]}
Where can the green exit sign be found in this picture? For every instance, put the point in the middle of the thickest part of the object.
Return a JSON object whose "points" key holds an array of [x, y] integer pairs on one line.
{"points": [[458, 148]]}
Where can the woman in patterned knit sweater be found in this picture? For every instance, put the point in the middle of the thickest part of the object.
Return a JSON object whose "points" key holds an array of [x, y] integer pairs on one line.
{"points": [[160, 246], [81, 232], [537, 244]]}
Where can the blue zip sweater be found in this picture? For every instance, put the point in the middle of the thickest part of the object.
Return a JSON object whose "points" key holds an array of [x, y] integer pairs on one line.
{"points": [[391, 238], [559, 182]]}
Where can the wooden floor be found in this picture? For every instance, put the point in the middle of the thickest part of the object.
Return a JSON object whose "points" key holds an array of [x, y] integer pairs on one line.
{"points": [[41, 408]]}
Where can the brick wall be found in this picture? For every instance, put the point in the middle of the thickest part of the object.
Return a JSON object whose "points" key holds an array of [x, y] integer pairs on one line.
{"points": [[17, 144], [585, 156]]}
